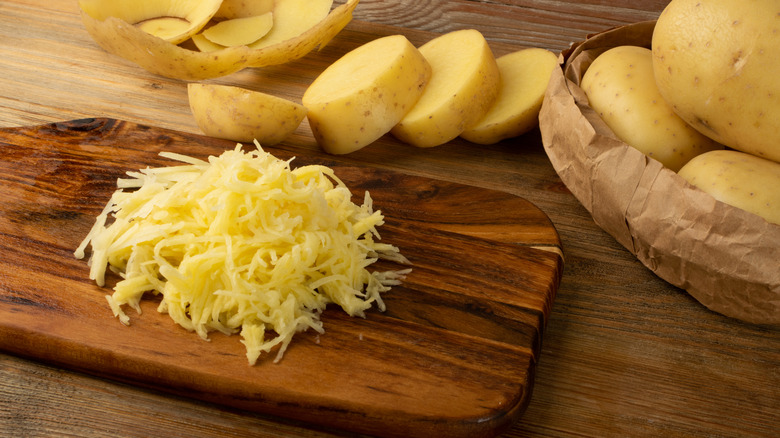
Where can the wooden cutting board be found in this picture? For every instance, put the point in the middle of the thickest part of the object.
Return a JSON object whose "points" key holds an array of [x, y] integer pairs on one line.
{"points": [[453, 355]]}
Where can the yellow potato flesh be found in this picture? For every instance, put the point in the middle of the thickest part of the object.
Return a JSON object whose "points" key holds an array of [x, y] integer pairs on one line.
{"points": [[739, 179], [204, 45], [362, 95], [240, 31], [620, 86], [524, 78], [293, 17], [464, 84], [716, 63], [160, 57], [241, 115], [171, 20], [244, 8]]}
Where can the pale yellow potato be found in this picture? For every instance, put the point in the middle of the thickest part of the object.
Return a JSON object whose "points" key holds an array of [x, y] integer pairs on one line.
{"points": [[524, 78], [171, 20], [716, 63], [739, 179], [363, 94], [117, 36], [620, 86], [204, 45], [242, 115], [240, 31], [292, 18], [243, 8], [464, 84]]}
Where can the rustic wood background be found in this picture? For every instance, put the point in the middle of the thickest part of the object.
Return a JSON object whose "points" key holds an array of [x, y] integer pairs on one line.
{"points": [[624, 354]]}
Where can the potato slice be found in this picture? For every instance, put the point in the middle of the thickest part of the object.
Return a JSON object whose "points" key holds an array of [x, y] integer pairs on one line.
{"points": [[240, 31], [620, 85], [243, 8], [174, 21], [237, 114], [524, 78], [739, 179], [464, 84], [358, 98], [117, 36], [293, 17], [204, 45]]}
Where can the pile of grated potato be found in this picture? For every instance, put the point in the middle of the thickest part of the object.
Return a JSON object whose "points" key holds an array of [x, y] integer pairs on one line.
{"points": [[241, 243]]}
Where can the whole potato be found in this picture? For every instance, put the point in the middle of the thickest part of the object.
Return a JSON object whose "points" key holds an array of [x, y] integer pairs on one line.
{"points": [[739, 179], [621, 88], [716, 63]]}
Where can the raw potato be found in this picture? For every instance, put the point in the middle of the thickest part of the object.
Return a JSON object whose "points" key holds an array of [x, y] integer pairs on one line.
{"points": [[157, 56], [524, 78], [204, 45], [620, 86], [716, 63], [292, 18], [243, 8], [739, 179], [242, 115], [171, 20], [240, 31], [464, 84], [363, 94]]}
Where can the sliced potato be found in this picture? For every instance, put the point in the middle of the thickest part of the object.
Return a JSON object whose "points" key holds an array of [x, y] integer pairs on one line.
{"points": [[204, 45], [240, 31], [241, 115], [117, 36], [292, 18], [174, 21], [464, 84], [524, 78], [362, 95], [244, 8], [621, 88], [739, 179]]}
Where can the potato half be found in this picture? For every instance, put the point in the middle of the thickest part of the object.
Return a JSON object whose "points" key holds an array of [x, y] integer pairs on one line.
{"points": [[171, 20], [739, 179], [621, 88], [242, 115], [464, 84], [524, 78], [117, 36], [363, 94]]}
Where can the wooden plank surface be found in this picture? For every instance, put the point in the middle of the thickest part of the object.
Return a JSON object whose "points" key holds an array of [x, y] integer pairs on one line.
{"points": [[453, 354], [624, 354]]}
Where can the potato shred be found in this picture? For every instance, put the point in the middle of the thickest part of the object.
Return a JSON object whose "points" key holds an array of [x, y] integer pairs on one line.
{"points": [[241, 243]]}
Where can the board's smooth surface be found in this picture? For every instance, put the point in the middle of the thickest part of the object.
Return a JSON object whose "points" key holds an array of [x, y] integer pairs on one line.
{"points": [[453, 354]]}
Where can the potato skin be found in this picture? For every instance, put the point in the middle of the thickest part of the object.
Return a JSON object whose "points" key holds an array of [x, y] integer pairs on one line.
{"points": [[620, 86], [716, 63], [738, 179]]}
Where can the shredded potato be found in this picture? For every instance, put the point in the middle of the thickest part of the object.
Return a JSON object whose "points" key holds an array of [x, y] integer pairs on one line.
{"points": [[241, 243]]}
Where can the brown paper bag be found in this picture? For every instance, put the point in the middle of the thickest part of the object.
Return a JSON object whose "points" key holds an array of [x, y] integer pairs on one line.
{"points": [[726, 258]]}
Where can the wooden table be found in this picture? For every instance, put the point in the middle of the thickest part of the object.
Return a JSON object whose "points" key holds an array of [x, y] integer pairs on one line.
{"points": [[624, 353]]}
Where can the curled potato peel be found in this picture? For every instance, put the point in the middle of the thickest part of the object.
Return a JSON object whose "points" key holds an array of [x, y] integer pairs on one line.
{"points": [[164, 58]]}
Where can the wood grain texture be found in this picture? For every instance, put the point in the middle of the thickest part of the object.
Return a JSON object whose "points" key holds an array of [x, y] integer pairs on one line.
{"points": [[624, 353], [453, 354]]}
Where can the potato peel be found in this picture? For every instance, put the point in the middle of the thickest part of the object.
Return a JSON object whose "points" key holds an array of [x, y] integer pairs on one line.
{"points": [[160, 57]]}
